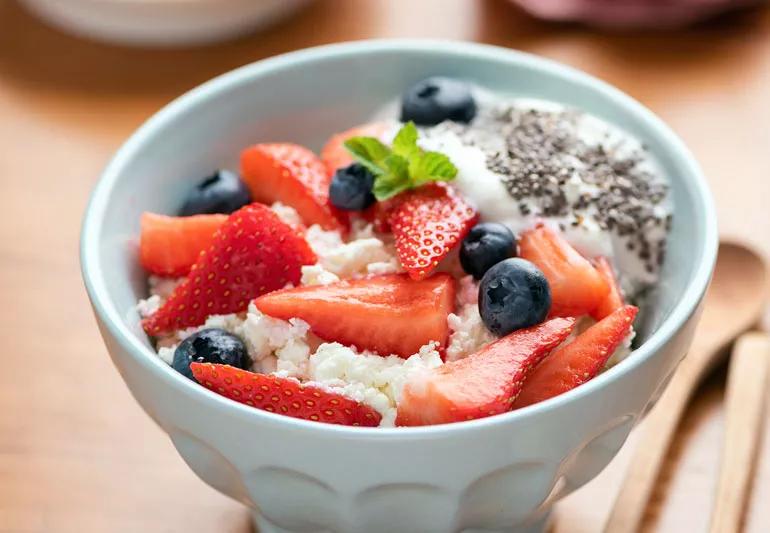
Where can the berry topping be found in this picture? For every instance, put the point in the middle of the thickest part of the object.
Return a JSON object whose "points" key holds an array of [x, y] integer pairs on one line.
{"points": [[437, 99], [222, 192], [614, 298], [483, 384], [169, 246], [427, 223], [351, 188], [580, 360], [253, 253], [576, 286], [334, 154], [388, 314], [284, 396], [212, 345], [294, 176], [486, 245], [513, 294]]}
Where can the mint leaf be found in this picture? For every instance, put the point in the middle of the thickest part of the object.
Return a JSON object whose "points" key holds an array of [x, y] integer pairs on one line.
{"points": [[370, 152], [404, 166], [405, 143], [431, 166], [394, 181]]}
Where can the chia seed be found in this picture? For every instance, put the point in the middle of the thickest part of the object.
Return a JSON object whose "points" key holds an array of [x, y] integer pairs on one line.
{"points": [[541, 150]]}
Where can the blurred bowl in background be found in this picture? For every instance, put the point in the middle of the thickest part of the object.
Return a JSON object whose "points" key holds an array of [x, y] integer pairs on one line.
{"points": [[632, 13], [162, 22]]}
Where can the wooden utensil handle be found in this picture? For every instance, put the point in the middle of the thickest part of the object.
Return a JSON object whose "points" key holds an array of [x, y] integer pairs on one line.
{"points": [[656, 433], [744, 413]]}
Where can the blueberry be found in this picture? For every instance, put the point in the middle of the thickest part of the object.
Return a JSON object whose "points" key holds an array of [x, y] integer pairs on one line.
{"points": [[486, 245], [222, 192], [437, 99], [513, 294], [351, 188], [211, 345]]}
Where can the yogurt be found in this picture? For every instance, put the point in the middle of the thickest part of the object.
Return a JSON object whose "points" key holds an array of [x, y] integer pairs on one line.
{"points": [[523, 161]]}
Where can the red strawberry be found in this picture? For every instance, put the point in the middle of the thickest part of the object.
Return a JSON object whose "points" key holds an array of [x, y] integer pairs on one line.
{"points": [[580, 360], [252, 253], [388, 314], [168, 246], [483, 384], [576, 286], [614, 298], [292, 175], [284, 396], [334, 154], [427, 223]]}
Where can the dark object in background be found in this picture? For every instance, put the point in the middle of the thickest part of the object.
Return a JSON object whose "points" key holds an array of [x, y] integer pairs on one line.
{"points": [[632, 13]]}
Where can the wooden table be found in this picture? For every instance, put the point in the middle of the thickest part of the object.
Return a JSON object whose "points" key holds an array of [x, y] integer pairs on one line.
{"points": [[76, 452]]}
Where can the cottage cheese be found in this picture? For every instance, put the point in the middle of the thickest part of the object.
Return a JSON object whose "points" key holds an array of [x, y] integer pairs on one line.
{"points": [[147, 307], [467, 332], [317, 275], [370, 378], [359, 256]]}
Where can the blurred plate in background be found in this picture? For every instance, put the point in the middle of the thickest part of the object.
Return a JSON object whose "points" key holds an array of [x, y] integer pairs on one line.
{"points": [[162, 22]]}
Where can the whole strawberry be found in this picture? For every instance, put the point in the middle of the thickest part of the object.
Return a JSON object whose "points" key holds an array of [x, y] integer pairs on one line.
{"points": [[251, 254]]}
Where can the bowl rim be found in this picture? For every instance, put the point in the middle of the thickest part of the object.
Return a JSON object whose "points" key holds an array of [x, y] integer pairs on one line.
{"points": [[110, 316]]}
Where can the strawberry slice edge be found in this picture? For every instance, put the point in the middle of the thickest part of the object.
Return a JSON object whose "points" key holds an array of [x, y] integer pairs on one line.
{"points": [[483, 384], [285, 396], [578, 361]]}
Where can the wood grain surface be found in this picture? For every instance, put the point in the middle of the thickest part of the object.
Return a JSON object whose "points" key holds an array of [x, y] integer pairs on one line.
{"points": [[76, 452]]}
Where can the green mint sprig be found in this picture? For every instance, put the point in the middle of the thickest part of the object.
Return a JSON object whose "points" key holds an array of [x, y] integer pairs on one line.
{"points": [[402, 166]]}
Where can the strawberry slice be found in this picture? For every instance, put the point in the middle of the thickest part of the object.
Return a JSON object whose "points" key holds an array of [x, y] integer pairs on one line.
{"points": [[483, 384], [335, 155], [168, 246], [293, 175], [389, 314], [252, 253], [284, 396], [427, 223], [576, 286], [614, 299], [579, 361]]}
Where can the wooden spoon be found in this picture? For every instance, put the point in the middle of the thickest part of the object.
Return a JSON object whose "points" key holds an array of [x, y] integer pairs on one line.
{"points": [[734, 304], [745, 403]]}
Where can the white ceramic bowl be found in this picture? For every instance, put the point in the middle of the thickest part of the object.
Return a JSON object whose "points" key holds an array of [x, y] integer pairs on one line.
{"points": [[499, 473], [162, 22]]}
